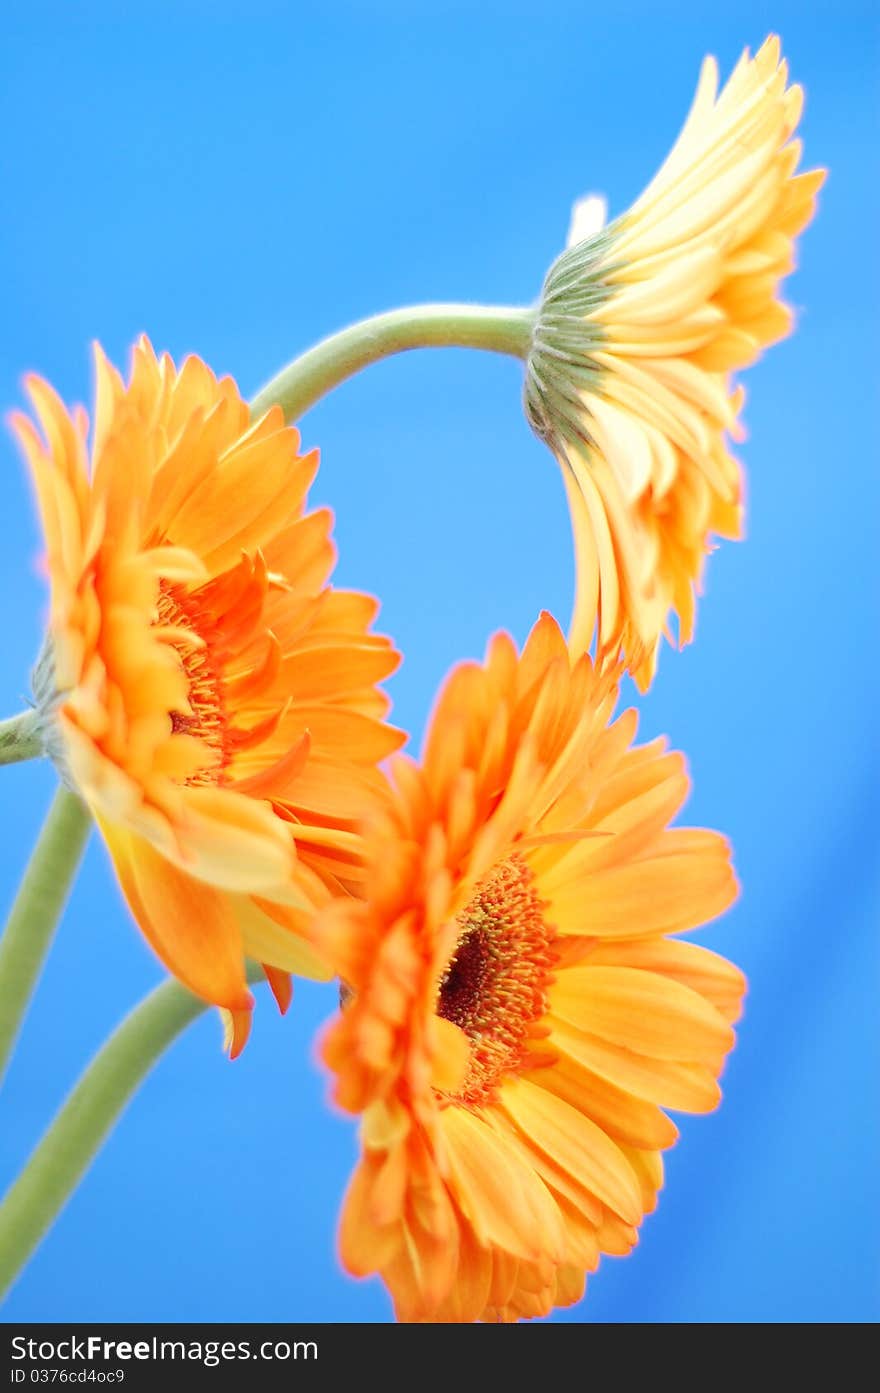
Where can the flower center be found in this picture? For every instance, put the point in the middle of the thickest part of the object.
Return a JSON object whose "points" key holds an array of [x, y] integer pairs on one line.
{"points": [[495, 986], [207, 719]]}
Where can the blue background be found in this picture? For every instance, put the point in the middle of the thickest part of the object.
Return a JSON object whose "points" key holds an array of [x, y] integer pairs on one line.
{"points": [[240, 179]]}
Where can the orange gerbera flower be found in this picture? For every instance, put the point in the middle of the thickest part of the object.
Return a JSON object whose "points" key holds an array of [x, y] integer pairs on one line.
{"points": [[639, 327], [517, 1015], [204, 690]]}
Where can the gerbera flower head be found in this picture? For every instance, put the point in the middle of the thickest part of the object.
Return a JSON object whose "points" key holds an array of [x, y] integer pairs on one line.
{"points": [[208, 695], [640, 326], [517, 1015]]}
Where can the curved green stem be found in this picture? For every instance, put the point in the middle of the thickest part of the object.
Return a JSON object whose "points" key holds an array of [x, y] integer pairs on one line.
{"points": [[498, 328], [36, 910], [63, 1156], [20, 738]]}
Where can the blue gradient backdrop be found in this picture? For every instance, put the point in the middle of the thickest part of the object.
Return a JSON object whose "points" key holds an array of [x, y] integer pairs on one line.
{"points": [[240, 179]]}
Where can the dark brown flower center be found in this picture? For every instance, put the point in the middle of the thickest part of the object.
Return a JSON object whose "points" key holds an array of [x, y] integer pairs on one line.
{"points": [[495, 986]]}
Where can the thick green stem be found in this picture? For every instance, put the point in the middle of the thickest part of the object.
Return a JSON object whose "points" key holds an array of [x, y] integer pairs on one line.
{"points": [[37, 908], [498, 328], [63, 1156], [20, 738]]}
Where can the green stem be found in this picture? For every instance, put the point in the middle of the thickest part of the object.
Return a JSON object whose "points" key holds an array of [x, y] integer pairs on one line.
{"points": [[498, 328], [37, 908], [20, 738], [67, 1149]]}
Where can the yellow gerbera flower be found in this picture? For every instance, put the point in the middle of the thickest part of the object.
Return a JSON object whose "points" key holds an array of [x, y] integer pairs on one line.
{"points": [[207, 694], [516, 1015], [639, 327]]}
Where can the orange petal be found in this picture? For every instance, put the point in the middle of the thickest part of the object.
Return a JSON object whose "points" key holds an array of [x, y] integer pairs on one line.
{"points": [[574, 1143], [674, 1084], [679, 886], [191, 926], [281, 986], [452, 1055], [233, 841], [625, 1117], [271, 934], [238, 1028], [641, 1011], [716, 979], [505, 1202]]}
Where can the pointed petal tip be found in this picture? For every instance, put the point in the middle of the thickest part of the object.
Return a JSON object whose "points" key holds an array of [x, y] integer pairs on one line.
{"points": [[237, 1028], [280, 985]]}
